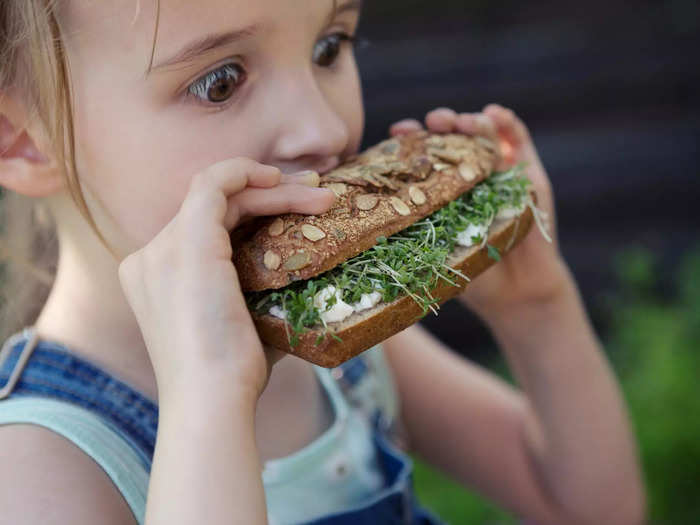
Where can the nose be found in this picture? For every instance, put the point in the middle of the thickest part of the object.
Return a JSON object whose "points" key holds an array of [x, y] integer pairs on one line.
{"points": [[310, 134]]}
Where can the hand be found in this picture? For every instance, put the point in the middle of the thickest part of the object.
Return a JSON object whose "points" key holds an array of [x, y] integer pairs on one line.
{"points": [[533, 271], [184, 289]]}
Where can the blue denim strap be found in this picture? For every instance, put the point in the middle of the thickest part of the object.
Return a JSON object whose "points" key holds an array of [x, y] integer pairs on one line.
{"points": [[54, 372]]}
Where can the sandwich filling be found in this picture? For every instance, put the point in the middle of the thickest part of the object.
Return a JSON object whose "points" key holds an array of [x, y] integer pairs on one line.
{"points": [[410, 262]]}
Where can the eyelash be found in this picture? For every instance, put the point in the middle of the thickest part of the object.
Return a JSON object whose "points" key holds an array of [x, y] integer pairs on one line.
{"points": [[234, 71], [231, 71]]}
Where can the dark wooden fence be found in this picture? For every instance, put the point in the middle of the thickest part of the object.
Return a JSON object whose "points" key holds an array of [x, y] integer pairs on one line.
{"points": [[610, 91]]}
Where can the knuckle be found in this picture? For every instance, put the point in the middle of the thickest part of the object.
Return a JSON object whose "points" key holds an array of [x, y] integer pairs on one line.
{"points": [[240, 164], [200, 180]]}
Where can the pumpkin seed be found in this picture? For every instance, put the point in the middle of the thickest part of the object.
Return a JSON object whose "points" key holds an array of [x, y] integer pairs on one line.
{"points": [[272, 260], [297, 261], [276, 228], [435, 141], [366, 202], [486, 143], [312, 232], [338, 188], [417, 195], [446, 155], [400, 206], [390, 147], [467, 172]]}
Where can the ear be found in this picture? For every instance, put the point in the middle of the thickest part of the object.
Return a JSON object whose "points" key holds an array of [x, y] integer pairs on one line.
{"points": [[24, 168]]}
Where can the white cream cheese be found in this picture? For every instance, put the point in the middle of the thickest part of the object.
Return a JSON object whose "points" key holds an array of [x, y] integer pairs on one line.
{"points": [[464, 238], [339, 311], [367, 301], [278, 312], [509, 212], [336, 313]]}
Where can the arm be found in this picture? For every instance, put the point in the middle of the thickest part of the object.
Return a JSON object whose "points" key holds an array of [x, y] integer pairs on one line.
{"points": [[46, 480], [206, 467], [209, 363], [561, 451]]}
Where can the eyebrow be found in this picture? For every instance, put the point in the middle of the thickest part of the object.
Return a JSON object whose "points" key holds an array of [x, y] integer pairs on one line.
{"points": [[204, 45], [210, 42], [350, 5]]}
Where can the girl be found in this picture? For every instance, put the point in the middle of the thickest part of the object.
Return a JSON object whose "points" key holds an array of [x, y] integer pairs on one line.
{"points": [[149, 130]]}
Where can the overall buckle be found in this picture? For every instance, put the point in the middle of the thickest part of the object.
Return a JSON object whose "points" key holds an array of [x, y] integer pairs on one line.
{"points": [[24, 356]]}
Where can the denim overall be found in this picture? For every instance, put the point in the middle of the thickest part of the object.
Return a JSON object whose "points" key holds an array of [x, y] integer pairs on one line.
{"points": [[51, 371]]}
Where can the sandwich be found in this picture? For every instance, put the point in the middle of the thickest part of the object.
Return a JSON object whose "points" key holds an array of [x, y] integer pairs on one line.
{"points": [[417, 217]]}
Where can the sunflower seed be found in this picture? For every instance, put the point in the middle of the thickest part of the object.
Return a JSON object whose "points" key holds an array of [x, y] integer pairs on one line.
{"points": [[400, 206], [276, 228], [312, 232], [417, 195], [366, 202], [272, 260], [297, 261]]}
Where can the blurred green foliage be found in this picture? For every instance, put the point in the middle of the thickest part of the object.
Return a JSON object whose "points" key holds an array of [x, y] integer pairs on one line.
{"points": [[654, 347], [652, 342]]}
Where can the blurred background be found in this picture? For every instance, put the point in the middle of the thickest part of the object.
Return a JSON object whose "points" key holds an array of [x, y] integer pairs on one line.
{"points": [[610, 93]]}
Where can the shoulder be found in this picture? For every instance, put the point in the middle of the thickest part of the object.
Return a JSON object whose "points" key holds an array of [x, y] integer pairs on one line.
{"points": [[46, 479]]}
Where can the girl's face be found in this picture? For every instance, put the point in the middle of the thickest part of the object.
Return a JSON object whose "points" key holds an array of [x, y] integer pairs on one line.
{"points": [[272, 80]]}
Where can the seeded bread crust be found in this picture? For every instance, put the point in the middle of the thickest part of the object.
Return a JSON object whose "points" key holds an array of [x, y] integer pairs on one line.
{"points": [[366, 329], [380, 192]]}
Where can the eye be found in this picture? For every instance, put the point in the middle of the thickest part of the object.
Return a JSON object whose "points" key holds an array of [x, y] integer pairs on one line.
{"points": [[218, 85], [328, 48]]}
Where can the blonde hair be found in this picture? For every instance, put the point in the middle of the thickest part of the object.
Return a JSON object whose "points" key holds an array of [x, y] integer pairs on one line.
{"points": [[33, 64]]}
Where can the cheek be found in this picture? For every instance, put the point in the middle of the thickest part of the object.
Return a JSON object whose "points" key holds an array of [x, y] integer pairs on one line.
{"points": [[348, 99], [139, 163], [123, 161]]}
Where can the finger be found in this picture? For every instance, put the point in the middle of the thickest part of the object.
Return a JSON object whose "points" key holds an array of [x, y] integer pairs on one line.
{"points": [[209, 189], [405, 126], [306, 178], [232, 175], [508, 122], [229, 172], [476, 124], [287, 198], [441, 120], [514, 132]]}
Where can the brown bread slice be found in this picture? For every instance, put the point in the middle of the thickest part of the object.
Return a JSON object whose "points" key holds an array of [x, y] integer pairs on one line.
{"points": [[365, 329], [380, 192]]}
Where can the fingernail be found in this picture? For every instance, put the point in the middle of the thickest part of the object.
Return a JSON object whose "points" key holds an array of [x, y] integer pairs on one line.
{"points": [[325, 191], [484, 121], [307, 177]]}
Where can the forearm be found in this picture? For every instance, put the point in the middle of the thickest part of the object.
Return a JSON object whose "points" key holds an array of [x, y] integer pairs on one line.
{"points": [[206, 467], [577, 430]]}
